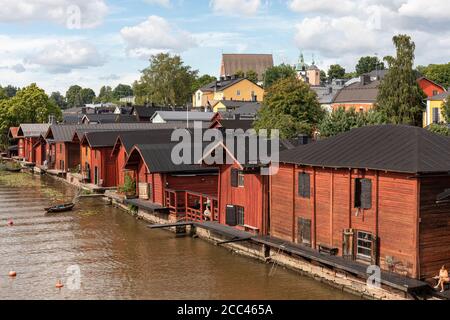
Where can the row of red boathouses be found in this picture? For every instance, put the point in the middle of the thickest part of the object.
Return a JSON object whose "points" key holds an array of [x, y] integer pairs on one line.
{"points": [[375, 195]]}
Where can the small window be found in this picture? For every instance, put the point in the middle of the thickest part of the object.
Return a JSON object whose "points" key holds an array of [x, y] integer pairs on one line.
{"points": [[60, 148], [436, 115], [240, 217], [304, 185], [234, 178], [241, 179], [364, 245], [238, 93], [86, 151], [363, 193], [435, 92], [199, 96]]}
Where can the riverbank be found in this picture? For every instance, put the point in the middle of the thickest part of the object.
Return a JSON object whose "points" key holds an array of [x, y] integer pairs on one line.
{"points": [[264, 250]]}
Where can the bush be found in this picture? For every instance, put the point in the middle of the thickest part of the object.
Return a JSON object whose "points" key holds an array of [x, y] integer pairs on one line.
{"points": [[441, 129], [129, 185]]}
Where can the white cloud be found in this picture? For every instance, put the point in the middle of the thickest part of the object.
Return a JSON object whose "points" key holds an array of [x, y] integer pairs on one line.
{"points": [[64, 56], [89, 13], [236, 7], [324, 6], [433, 9], [162, 3], [155, 35], [341, 32]]}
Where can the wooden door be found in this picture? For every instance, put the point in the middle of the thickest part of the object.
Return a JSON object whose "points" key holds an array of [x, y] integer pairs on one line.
{"points": [[304, 231]]}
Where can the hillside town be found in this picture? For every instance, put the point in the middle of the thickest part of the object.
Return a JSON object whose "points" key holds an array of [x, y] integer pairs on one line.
{"points": [[358, 174]]}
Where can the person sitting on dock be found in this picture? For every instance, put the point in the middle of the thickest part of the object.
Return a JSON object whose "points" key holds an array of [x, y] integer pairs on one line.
{"points": [[443, 279]]}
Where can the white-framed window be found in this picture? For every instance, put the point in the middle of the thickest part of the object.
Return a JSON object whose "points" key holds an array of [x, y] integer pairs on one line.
{"points": [[238, 93], [364, 245], [241, 179]]}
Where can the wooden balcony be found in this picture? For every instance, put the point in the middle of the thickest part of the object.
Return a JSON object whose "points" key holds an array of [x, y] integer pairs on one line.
{"points": [[187, 205]]}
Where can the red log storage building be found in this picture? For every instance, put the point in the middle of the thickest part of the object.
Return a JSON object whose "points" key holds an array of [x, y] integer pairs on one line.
{"points": [[243, 189], [186, 190], [28, 135], [62, 153], [13, 150], [40, 151], [127, 140], [377, 195]]}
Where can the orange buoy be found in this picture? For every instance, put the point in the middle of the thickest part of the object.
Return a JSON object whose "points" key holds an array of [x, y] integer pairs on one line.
{"points": [[59, 284], [13, 274]]}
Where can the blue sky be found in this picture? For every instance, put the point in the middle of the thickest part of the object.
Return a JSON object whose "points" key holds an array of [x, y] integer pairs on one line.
{"points": [[57, 43]]}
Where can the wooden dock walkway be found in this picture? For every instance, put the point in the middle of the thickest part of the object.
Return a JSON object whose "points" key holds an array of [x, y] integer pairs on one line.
{"points": [[392, 280]]}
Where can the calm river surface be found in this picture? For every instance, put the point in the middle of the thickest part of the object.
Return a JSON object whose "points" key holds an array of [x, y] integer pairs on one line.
{"points": [[119, 258]]}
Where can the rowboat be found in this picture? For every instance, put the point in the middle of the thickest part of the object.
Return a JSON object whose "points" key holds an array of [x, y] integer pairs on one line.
{"points": [[60, 208]]}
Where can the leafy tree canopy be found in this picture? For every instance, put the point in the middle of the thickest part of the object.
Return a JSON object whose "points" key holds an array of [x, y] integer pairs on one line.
{"points": [[439, 73], [202, 81], [58, 99], [122, 91], [368, 64], [400, 97], [105, 95], [72, 96], [446, 110], [290, 106], [87, 96], [167, 81], [276, 73], [336, 72], [340, 121]]}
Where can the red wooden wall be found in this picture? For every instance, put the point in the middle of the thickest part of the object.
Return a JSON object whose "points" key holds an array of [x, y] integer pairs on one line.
{"points": [[392, 218], [253, 197]]}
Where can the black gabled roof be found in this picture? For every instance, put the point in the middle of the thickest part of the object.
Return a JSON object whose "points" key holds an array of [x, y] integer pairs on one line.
{"points": [[395, 148], [132, 138], [158, 159], [237, 124]]}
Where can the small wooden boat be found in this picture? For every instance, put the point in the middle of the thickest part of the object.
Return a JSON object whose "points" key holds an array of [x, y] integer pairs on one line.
{"points": [[60, 208]]}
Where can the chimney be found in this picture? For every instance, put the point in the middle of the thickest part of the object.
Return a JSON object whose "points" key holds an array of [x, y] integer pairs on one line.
{"points": [[51, 119], [365, 79], [302, 139]]}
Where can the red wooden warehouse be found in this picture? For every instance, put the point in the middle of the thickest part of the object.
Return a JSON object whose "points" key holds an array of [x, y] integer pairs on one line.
{"points": [[186, 190], [28, 135], [376, 195]]}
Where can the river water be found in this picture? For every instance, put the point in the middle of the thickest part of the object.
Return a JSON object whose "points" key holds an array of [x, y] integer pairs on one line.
{"points": [[118, 257]]}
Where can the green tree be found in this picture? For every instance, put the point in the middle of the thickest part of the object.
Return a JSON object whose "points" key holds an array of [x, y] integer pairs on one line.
{"points": [[368, 64], [439, 73], [11, 91], [202, 81], [252, 75], [30, 105], [290, 106], [240, 74], [87, 96], [73, 96], [3, 94], [340, 121], [276, 73], [58, 99], [167, 81], [323, 76], [446, 110], [400, 97], [122, 91], [105, 95], [336, 72]]}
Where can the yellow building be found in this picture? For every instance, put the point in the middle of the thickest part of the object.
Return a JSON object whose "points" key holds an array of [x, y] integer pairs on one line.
{"points": [[433, 114], [227, 88]]}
